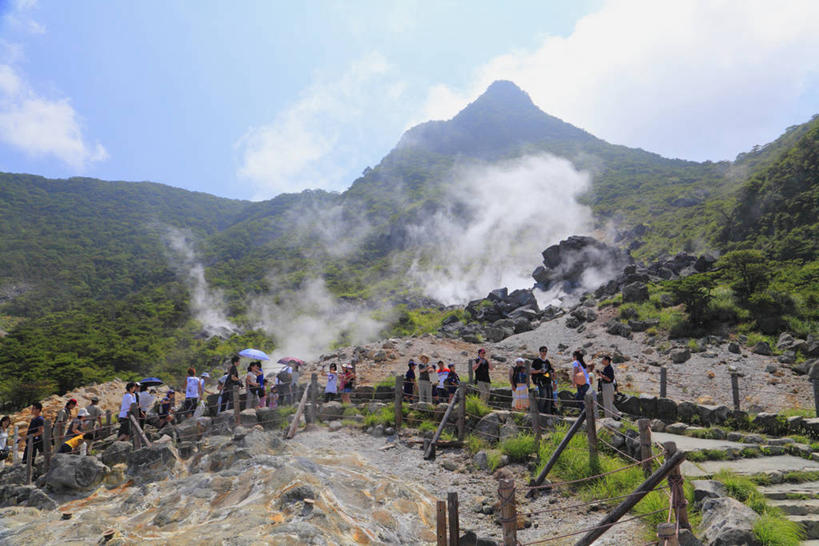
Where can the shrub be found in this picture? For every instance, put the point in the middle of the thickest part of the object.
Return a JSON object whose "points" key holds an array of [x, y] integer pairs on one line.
{"points": [[475, 406], [427, 426], [385, 416], [475, 443], [493, 459], [519, 448]]}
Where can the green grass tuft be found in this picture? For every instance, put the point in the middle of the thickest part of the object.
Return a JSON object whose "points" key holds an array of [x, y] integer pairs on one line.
{"points": [[519, 448], [475, 406], [772, 530]]}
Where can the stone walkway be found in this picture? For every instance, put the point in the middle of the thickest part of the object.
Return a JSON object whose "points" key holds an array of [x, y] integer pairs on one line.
{"points": [[781, 463], [689, 443]]}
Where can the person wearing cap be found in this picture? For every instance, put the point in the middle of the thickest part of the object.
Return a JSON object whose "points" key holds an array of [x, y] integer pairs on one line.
{"points": [[424, 383], [94, 420], [410, 385], [481, 367], [441, 393], [519, 380], [64, 416], [75, 428]]}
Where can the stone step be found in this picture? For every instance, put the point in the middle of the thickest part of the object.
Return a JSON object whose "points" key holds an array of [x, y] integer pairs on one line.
{"points": [[783, 491], [777, 463], [797, 507], [809, 523]]}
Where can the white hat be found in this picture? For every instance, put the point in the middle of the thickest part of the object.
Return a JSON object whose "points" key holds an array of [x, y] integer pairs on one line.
{"points": [[82, 412], [520, 361], [205, 374]]}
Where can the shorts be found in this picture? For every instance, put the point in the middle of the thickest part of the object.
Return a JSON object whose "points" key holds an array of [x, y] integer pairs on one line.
{"points": [[347, 389], [124, 426]]}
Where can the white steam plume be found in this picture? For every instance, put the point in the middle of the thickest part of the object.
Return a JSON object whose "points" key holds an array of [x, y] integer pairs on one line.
{"points": [[307, 322], [496, 221], [207, 304]]}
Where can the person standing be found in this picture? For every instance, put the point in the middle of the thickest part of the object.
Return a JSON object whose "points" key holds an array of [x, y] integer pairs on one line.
{"points": [[348, 382], [5, 423], [64, 417], [520, 385], [410, 385], [481, 367], [451, 382], [193, 392], [166, 409], [441, 394], [542, 374], [35, 431], [331, 388], [606, 383], [145, 399], [285, 383], [580, 378], [124, 409], [424, 381], [252, 385], [94, 422], [231, 382]]}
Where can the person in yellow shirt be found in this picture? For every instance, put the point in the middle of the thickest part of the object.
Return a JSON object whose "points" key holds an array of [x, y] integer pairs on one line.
{"points": [[72, 444]]}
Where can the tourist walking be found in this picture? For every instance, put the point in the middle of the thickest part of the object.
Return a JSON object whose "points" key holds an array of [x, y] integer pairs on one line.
{"points": [[64, 417], [124, 409], [193, 392], [34, 432], [580, 378], [5, 423], [145, 399], [75, 427], [542, 373], [441, 394], [519, 380], [424, 381], [331, 388], [285, 384], [410, 385], [166, 410], [607, 387], [481, 367]]}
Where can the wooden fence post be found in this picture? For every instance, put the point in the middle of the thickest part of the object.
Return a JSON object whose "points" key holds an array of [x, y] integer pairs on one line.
{"points": [[135, 438], [534, 411], [663, 382], [815, 396], [237, 411], [735, 388], [667, 534], [672, 461], [675, 480], [314, 398], [644, 425], [107, 423], [553, 459], [29, 457], [591, 431], [441, 522], [294, 425], [454, 523], [59, 429], [143, 439], [509, 518], [47, 444], [470, 371], [460, 394], [399, 383], [15, 454]]}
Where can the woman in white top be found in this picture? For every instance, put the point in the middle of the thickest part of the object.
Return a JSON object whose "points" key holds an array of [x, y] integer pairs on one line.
{"points": [[193, 391], [331, 390], [5, 422], [124, 422]]}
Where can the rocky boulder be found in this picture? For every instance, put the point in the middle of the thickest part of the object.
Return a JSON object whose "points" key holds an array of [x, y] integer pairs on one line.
{"points": [[635, 292], [331, 411], [116, 453], [762, 348], [488, 427], [154, 463], [708, 489], [617, 328], [25, 495], [680, 355], [727, 522], [70, 472], [566, 261], [666, 410]]}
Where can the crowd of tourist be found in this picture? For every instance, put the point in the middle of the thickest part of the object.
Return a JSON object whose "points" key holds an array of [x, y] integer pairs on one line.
{"points": [[423, 382]]}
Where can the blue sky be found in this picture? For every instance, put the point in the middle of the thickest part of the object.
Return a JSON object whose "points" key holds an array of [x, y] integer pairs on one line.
{"points": [[250, 99]]}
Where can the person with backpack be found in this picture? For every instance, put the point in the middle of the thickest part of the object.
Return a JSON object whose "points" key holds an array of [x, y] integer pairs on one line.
{"points": [[348, 383], [231, 382], [606, 384], [481, 367], [580, 378], [542, 375], [252, 385]]}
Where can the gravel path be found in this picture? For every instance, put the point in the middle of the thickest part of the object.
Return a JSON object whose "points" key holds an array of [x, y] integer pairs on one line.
{"points": [[407, 462]]}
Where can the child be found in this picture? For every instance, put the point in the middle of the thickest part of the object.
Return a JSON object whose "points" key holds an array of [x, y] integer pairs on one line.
{"points": [[409, 382], [331, 390], [452, 381]]}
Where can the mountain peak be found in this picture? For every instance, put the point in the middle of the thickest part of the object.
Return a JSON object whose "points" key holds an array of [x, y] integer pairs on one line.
{"points": [[503, 119]]}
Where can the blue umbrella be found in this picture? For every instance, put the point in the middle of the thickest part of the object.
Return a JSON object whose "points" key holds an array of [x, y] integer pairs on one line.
{"points": [[151, 381], [255, 354]]}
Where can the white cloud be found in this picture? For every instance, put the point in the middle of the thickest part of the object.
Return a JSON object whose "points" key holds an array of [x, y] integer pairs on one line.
{"points": [[316, 140], [698, 79]]}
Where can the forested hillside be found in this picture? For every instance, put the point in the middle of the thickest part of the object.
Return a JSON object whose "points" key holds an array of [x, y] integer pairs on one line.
{"points": [[91, 287]]}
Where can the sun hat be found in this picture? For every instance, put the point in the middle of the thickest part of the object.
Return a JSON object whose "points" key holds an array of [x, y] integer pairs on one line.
{"points": [[82, 412], [520, 361], [205, 374]]}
